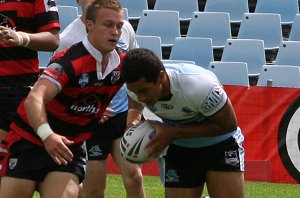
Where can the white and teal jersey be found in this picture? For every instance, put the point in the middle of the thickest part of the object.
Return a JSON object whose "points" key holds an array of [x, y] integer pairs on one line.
{"points": [[196, 94]]}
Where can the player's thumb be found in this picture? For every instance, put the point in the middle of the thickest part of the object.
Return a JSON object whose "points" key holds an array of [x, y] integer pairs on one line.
{"points": [[67, 141]]}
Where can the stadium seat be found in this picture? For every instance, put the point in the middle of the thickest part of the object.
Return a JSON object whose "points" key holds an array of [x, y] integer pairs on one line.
{"points": [[280, 75], [135, 8], [125, 14], [264, 26], [288, 53], [152, 43], [236, 8], [194, 49], [69, 3], [185, 8], [44, 58], [230, 73], [295, 29], [168, 61], [219, 31], [287, 9], [67, 14], [250, 51], [162, 23]]}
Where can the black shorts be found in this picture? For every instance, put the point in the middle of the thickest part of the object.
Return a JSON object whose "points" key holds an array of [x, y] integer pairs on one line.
{"points": [[9, 101], [30, 161], [99, 145], [187, 167]]}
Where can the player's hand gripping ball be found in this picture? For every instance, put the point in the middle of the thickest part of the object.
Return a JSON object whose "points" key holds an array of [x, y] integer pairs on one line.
{"points": [[134, 141]]}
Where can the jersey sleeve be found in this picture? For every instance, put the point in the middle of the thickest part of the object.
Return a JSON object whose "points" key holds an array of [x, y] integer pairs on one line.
{"points": [[206, 93], [57, 73], [46, 15]]}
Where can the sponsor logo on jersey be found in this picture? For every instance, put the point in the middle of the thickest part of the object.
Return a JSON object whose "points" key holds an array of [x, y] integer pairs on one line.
{"points": [[122, 45], [84, 80], [115, 77], [3, 20], [8, 23], [55, 69], [166, 106], [187, 110], [88, 109], [87, 105], [214, 99], [50, 5]]}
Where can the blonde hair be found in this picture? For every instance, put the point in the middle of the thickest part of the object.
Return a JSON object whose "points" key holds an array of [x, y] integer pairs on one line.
{"points": [[98, 4]]}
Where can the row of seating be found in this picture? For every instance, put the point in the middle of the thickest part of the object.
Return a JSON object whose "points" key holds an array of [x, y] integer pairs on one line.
{"points": [[201, 29], [235, 73], [287, 9], [200, 51], [215, 25]]}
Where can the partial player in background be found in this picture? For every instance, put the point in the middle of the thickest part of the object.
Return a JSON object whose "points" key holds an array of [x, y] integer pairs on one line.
{"points": [[113, 123], [44, 150], [199, 126], [25, 28]]}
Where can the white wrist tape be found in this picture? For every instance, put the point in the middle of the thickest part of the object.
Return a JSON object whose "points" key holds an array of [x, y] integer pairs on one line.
{"points": [[20, 38], [44, 131], [27, 39]]}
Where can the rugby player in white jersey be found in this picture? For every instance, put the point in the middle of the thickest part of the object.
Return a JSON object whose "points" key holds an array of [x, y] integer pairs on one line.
{"points": [[199, 126]]}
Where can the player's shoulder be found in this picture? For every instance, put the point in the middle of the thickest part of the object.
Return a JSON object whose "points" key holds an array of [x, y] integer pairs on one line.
{"points": [[190, 74]]}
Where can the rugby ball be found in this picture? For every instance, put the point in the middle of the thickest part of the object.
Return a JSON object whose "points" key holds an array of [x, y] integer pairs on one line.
{"points": [[134, 140]]}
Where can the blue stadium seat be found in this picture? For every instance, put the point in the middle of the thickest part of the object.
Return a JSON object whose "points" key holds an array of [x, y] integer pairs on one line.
{"points": [[162, 23], [236, 8], [193, 49], [135, 8], [250, 51], [152, 43], [69, 3], [230, 73], [125, 14], [44, 58], [168, 61], [287, 9], [288, 53], [219, 30], [280, 75], [264, 26], [295, 29], [185, 8], [67, 14]]}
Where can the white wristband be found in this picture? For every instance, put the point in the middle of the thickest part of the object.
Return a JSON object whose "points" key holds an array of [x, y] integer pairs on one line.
{"points": [[20, 38], [44, 131], [27, 39]]}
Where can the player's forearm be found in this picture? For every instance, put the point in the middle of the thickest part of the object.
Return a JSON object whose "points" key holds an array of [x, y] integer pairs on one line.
{"points": [[44, 41], [35, 110], [134, 114]]}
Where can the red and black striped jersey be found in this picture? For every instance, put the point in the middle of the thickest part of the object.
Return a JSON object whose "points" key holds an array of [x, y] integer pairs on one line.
{"points": [[75, 111], [19, 65]]}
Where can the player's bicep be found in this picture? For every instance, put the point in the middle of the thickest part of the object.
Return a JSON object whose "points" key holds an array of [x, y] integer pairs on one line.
{"points": [[225, 117]]}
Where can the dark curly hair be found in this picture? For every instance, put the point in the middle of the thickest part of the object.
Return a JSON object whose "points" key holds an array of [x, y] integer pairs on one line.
{"points": [[141, 63]]}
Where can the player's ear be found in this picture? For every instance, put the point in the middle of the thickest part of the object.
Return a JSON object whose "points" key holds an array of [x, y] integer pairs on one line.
{"points": [[162, 75]]}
